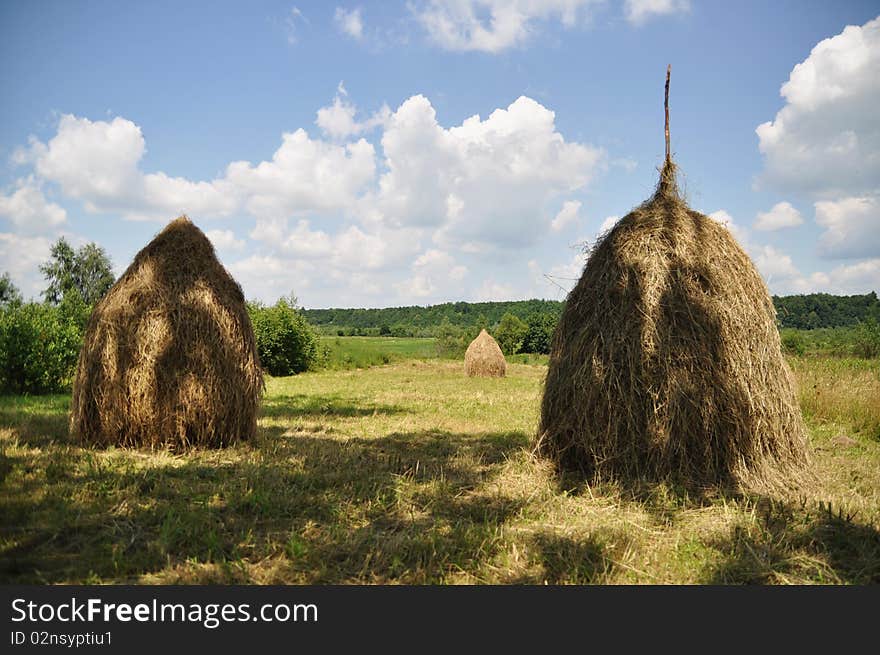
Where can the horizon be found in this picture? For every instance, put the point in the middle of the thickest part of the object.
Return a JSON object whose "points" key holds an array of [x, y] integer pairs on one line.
{"points": [[374, 155]]}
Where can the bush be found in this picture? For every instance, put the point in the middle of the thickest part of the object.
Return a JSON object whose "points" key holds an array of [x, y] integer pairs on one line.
{"points": [[39, 347], [793, 342], [510, 334], [452, 340], [867, 339], [286, 343]]}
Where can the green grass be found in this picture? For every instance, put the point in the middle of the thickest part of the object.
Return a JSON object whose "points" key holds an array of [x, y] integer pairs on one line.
{"points": [[364, 352], [413, 473]]}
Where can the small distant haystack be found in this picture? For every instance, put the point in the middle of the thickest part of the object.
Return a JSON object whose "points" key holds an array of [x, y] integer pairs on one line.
{"points": [[666, 362], [484, 358], [168, 358]]}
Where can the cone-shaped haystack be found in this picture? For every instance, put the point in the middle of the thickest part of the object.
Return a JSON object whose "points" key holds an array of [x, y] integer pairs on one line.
{"points": [[168, 358], [666, 363], [484, 358]]}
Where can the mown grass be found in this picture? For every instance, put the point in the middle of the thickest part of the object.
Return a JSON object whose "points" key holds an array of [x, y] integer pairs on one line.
{"points": [[414, 473]]}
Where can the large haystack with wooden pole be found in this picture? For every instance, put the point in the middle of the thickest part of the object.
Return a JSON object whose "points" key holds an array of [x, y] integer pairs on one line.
{"points": [[484, 358], [666, 363], [169, 358]]}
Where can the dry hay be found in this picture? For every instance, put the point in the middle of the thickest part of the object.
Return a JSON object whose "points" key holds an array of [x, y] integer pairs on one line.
{"points": [[666, 363], [484, 358], [169, 358]]}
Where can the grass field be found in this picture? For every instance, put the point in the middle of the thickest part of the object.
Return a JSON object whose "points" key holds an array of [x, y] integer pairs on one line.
{"points": [[364, 352], [413, 473]]}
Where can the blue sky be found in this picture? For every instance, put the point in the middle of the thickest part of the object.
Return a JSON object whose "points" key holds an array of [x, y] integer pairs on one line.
{"points": [[383, 153]]}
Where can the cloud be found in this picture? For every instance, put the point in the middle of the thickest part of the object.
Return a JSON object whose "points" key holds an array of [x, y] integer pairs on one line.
{"points": [[852, 227], [356, 213], [485, 183], [740, 234], [826, 139], [269, 277], [224, 240], [855, 278], [628, 164], [608, 223], [304, 175], [291, 24], [29, 210], [566, 216], [847, 279], [338, 120], [21, 257], [638, 12], [781, 215], [349, 22], [93, 161], [491, 25], [98, 163], [774, 265], [350, 249], [492, 291], [436, 274]]}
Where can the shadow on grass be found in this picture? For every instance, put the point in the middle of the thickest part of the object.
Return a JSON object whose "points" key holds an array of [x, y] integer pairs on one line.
{"points": [[565, 559], [407, 507], [311, 406], [799, 540], [788, 540]]}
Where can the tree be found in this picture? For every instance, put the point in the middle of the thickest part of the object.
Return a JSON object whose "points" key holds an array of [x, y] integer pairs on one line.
{"points": [[540, 333], [9, 293], [286, 343], [510, 334], [87, 272]]}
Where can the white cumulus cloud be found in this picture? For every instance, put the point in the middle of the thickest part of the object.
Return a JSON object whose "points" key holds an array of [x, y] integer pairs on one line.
{"points": [[483, 182], [638, 12], [826, 139], [852, 227], [97, 162], [566, 216], [224, 240], [781, 215], [304, 175], [491, 25], [21, 257], [29, 209], [608, 223], [338, 120]]}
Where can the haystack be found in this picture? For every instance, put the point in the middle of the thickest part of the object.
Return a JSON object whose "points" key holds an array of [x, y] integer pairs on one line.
{"points": [[666, 363], [484, 358], [168, 358]]}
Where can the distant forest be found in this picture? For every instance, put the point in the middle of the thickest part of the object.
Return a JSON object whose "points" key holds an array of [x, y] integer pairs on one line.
{"points": [[805, 312]]}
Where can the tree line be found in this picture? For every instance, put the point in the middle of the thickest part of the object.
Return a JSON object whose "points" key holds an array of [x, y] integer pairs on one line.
{"points": [[802, 312]]}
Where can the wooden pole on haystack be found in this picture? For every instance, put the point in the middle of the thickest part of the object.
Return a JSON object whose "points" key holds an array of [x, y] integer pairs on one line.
{"points": [[666, 107]]}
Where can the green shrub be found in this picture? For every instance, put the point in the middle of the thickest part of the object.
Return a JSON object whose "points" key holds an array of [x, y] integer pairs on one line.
{"points": [[452, 340], [286, 343], [866, 339], [39, 346], [793, 342], [510, 334]]}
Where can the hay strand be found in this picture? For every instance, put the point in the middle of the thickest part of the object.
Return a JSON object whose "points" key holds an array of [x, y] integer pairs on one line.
{"points": [[169, 358]]}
